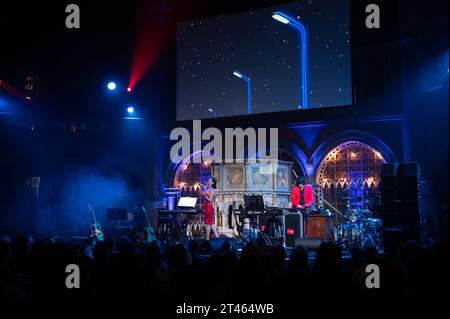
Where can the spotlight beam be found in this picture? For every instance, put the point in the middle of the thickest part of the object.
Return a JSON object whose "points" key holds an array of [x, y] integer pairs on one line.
{"points": [[12, 91]]}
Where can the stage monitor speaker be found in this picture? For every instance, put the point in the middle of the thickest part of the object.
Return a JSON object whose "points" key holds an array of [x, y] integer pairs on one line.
{"points": [[400, 203], [308, 243], [218, 245], [116, 214]]}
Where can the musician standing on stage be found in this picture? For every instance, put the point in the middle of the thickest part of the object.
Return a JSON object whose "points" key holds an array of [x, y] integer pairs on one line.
{"points": [[208, 207], [302, 195]]}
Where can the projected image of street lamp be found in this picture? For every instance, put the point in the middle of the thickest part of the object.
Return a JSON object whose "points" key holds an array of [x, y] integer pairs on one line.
{"points": [[247, 79], [213, 112], [285, 19]]}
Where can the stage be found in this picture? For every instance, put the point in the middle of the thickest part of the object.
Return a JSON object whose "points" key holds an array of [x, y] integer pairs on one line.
{"points": [[181, 150]]}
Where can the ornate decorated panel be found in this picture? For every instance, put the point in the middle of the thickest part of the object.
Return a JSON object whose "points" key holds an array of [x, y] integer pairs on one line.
{"points": [[270, 180], [282, 178], [233, 177], [259, 177]]}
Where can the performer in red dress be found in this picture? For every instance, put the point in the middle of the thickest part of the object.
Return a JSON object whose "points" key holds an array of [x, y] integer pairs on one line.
{"points": [[208, 197], [302, 195]]}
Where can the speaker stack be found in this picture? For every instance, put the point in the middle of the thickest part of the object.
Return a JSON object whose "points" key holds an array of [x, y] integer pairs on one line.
{"points": [[400, 204]]}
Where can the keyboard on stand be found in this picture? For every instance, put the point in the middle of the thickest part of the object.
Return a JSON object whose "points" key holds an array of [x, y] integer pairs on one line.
{"points": [[179, 211], [172, 229]]}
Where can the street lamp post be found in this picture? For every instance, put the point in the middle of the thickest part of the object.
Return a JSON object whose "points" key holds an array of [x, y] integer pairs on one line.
{"points": [[213, 112], [285, 19], [247, 79]]}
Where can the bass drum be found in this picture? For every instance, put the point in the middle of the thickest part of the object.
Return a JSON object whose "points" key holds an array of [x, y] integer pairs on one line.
{"points": [[348, 235], [372, 233]]}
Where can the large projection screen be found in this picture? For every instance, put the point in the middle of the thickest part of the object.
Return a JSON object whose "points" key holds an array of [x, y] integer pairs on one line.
{"points": [[291, 57]]}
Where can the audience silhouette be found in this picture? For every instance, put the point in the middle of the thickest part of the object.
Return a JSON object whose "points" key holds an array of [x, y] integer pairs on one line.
{"points": [[36, 269]]}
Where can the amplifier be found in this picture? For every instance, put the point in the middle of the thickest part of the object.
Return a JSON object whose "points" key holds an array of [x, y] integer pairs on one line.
{"points": [[293, 227]]}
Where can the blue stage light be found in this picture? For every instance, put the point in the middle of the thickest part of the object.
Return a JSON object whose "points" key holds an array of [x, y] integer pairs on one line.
{"points": [[130, 110], [112, 86]]}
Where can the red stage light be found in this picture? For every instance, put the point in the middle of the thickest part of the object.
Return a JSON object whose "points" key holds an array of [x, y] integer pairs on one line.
{"points": [[11, 90], [152, 37], [128, 89], [263, 227], [290, 231]]}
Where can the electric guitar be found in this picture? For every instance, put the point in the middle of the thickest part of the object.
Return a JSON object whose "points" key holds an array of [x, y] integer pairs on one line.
{"points": [[149, 233], [96, 228]]}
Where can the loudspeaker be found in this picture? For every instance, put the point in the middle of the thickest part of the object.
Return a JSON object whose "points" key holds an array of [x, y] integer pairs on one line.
{"points": [[293, 228], [40, 220], [400, 203], [308, 243], [263, 219]]}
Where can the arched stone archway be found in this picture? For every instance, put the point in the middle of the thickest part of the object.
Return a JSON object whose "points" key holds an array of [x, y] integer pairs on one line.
{"points": [[191, 174], [351, 135], [349, 175]]}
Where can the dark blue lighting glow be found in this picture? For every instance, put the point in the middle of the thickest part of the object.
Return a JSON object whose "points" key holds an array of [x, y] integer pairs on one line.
{"points": [[131, 118]]}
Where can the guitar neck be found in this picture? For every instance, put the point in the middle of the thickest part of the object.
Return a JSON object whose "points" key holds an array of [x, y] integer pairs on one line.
{"points": [[146, 217], [91, 210]]}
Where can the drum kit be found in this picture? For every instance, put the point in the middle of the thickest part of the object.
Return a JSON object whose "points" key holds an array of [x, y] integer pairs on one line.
{"points": [[360, 228]]}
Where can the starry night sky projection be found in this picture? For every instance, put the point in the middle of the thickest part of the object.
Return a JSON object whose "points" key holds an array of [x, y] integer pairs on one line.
{"points": [[209, 50]]}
